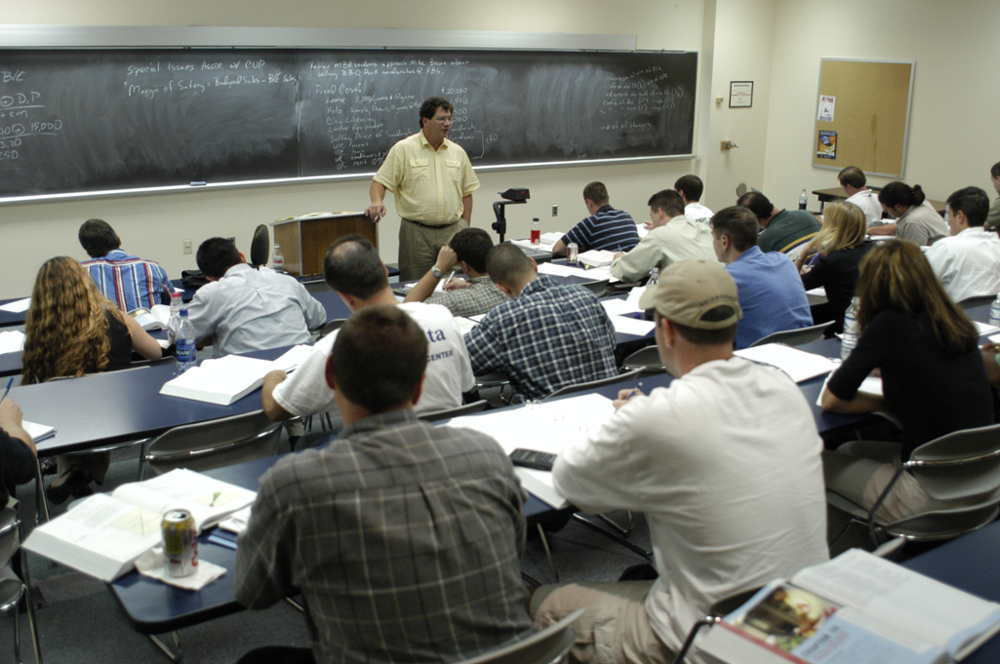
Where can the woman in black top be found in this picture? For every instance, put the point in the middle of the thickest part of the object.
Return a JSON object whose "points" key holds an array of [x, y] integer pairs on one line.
{"points": [[72, 330], [840, 245], [933, 377]]}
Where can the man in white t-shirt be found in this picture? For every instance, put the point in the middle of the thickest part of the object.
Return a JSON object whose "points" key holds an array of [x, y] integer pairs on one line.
{"points": [[725, 462], [690, 188], [352, 267], [853, 182]]}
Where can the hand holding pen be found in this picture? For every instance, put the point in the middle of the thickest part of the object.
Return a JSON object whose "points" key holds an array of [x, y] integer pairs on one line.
{"points": [[625, 395]]}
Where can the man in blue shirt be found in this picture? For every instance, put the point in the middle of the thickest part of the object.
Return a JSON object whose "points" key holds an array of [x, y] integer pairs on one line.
{"points": [[771, 293], [128, 281], [605, 228]]}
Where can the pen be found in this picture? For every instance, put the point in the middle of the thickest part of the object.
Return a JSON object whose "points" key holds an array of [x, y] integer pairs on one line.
{"points": [[7, 391], [635, 391], [448, 280]]}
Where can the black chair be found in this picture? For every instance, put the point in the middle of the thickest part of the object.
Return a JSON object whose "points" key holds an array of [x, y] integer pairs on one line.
{"points": [[802, 335], [976, 301], [589, 387], [448, 413], [646, 360], [260, 247]]}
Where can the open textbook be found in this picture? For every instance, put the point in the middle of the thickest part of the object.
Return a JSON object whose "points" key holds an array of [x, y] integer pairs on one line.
{"points": [[553, 426], [854, 609], [157, 318], [104, 534], [230, 378]]}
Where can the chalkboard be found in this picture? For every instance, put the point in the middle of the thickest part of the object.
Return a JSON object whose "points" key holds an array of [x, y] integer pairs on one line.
{"points": [[91, 120]]}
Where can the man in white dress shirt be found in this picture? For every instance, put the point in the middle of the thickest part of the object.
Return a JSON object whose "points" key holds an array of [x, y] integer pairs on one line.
{"points": [[853, 182], [968, 262]]}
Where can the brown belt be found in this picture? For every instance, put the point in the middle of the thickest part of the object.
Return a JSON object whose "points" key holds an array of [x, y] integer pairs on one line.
{"points": [[428, 225]]}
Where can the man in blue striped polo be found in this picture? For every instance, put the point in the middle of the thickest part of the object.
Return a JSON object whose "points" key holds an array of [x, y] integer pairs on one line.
{"points": [[605, 228]]}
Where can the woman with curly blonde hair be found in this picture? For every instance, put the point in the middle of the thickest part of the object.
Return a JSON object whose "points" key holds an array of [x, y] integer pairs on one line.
{"points": [[72, 330]]}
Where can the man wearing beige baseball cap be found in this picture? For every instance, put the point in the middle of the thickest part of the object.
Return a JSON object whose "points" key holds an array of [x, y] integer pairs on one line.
{"points": [[724, 461]]}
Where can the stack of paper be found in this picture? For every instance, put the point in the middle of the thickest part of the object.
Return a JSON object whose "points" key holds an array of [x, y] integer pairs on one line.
{"points": [[553, 425], [798, 364], [230, 378], [11, 342], [38, 432], [559, 270], [17, 306]]}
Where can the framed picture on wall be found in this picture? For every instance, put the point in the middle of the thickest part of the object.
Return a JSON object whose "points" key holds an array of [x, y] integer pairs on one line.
{"points": [[740, 94]]}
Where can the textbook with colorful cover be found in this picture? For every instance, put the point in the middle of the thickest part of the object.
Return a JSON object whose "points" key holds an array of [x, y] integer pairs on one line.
{"points": [[854, 609], [103, 535]]}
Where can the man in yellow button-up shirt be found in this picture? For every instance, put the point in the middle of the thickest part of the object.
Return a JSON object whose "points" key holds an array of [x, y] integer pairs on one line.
{"points": [[432, 180]]}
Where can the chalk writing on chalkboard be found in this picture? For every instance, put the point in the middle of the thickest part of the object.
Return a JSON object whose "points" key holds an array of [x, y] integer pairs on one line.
{"points": [[117, 119]]}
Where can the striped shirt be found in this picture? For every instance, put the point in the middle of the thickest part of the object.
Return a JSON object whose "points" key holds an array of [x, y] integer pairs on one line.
{"points": [[403, 538], [609, 229], [129, 281], [550, 336]]}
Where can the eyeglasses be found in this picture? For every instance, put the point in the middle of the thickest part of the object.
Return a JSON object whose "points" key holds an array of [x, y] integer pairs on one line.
{"points": [[444, 119]]}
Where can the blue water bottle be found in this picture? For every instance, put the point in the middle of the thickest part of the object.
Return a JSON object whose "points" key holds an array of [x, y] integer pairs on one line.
{"points": [[184, 345]]}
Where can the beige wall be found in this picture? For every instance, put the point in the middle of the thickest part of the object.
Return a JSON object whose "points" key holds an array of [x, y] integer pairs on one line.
{"points": [[154, 226], [954, 134]]}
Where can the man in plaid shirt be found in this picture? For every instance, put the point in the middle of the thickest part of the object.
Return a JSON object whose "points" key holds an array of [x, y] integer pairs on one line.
{"points": [[128, 281], [403, 538], [548, 335]]}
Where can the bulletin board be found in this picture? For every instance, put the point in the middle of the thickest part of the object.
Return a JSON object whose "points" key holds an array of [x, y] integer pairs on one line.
{"points": [[866, 122]]}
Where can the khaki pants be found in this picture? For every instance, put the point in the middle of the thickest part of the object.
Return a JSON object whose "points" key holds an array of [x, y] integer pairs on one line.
{"points": [[860, 470], [614, 630], [419, 246]]}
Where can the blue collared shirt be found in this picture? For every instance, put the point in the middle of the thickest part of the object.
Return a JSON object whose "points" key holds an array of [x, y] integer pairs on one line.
{"points": [[771, 295], [129, 281]]}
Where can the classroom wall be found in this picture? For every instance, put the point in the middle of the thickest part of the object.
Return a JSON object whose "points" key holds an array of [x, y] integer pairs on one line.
{"points": [[954, 135], [154, 226]]}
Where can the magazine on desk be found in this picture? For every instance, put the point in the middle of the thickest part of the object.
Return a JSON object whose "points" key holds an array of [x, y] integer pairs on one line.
{"points": [[103, 535], [854, 609]]}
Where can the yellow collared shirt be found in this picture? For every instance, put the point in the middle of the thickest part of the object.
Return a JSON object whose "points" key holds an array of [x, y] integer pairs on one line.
{"points": [[428, 184]]}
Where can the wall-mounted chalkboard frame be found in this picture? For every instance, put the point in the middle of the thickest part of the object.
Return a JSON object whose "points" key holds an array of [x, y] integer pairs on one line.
{"points": [[93, 120]]}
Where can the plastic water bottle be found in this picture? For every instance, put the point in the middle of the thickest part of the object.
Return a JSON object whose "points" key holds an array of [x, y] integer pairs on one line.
{"points": [[184, 346], [536, 231], [849, 337], [175, 316], [803, 200], [995, 312], [278, 261], [654, 277]]}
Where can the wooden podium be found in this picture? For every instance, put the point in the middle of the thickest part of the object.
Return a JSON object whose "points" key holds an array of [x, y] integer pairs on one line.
{"points": [[304, 240]]}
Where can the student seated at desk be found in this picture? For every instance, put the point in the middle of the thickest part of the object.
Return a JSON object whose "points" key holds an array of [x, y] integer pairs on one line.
{"points": [[72, 330], [17, 451], [128, 281], [725, 462], [787, 231], [245, 309], [933, 377], [916, 219], [606, 228], [403, 538], [549, 335]]}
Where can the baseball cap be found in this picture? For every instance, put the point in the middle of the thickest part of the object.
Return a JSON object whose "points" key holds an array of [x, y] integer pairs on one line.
{"points": [[688, 290]]}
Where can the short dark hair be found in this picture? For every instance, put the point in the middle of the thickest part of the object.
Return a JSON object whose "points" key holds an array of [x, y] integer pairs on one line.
{"points": [[973, 201], [739, 223], [700, 337], [98, 238], [596, 192], [995, 170], [900, 193], [378, 358], [216, 255], [507, 264], [852, 176], [472, 245], [757, 203], [352, 266], [691, 185], [430, 107], [667, 200]]}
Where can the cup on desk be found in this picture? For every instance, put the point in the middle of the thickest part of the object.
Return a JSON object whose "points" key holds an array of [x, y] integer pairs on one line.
{"points": [[572, 252]]}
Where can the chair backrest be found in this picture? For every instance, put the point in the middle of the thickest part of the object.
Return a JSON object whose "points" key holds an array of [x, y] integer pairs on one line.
{"points": [[960, 465], [448, 413], [646, 359], [332, 325], [586, 387], [598, 288], [802, 335], [976, 301], [214, 444], [260, 246], [9, 534], [548, 646]]}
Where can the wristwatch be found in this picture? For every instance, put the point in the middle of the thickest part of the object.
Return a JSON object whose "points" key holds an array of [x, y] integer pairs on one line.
{"points": [[438, 274]]}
